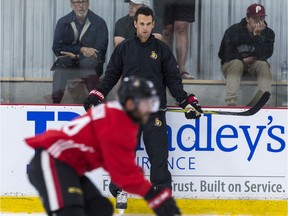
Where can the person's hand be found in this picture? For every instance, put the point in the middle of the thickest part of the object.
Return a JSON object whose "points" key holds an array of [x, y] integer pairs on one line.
{"points": [[89, 52], [161, 202], [68, 54], [260, 26], [249, 60], [95, 98], [192, 107]]}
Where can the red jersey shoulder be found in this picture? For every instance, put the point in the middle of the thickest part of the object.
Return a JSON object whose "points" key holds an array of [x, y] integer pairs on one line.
{"points": [[111, 121], [106, 120], [41, 140], [103, 110]]}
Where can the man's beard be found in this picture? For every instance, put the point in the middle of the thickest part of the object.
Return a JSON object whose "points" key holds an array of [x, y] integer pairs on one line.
{"points": [[136, 117], [81, 14]]}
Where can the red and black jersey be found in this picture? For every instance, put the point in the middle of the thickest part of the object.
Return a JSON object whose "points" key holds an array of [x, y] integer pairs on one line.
{"points": [[104, 137]]}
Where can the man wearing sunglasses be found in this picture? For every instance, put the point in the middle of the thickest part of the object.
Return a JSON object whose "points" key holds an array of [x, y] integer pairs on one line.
{"points": [[80, 44]]}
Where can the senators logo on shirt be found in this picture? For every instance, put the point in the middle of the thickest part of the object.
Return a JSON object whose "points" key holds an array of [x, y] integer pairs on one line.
{"points": [[153, 55], [157, 123]]}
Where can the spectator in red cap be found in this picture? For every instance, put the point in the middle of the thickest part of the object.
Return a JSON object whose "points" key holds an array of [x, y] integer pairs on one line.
{"points": [[244, 51]]}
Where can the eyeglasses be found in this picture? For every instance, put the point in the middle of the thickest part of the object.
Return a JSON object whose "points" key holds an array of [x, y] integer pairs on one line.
{"points": [[77, 3]]}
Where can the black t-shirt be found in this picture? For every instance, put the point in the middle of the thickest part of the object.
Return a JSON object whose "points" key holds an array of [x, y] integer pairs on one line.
{"points": [[124, 27]]}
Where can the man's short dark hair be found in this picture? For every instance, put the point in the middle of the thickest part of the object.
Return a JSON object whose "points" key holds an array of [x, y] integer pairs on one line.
{"points": [[146, 11]]}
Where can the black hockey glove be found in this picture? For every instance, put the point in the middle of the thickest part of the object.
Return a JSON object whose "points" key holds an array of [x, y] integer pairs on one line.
{"points": [[192, 107], [95, 98], [161, 202]]}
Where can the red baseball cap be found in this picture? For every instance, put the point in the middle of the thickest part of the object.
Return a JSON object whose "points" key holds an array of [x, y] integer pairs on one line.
{"points": [[256, 10]]}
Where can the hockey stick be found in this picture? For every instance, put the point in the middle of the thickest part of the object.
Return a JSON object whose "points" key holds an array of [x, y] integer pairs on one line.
{"points": [[262, 101], [255, 99]]}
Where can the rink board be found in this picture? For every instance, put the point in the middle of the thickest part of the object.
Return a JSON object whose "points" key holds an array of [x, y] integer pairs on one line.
{"points": [[187, 206], [216, 159]]}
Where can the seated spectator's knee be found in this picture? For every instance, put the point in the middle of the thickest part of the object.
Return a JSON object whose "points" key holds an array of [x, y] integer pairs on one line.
{"points": [[261, 65], [64, 63], [88, 63], [181, 27], [263, 70], [168, 31], [235, 66], [237, 63]]}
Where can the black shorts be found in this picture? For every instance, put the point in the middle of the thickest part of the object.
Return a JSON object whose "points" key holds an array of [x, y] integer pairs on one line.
{"points": [[175, 10], [58, 184]]}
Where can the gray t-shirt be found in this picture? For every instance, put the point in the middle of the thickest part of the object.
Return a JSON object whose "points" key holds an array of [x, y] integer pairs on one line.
{"points": [[124, 27]]}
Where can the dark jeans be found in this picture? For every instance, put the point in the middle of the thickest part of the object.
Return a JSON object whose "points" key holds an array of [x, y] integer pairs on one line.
{"points": [[88, 69]]}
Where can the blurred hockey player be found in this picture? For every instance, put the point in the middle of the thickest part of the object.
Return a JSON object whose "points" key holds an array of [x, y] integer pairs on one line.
{"points": [[106, 136]]}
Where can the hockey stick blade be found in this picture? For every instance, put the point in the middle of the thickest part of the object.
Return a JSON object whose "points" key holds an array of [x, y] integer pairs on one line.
{"points": [[258, 106]]}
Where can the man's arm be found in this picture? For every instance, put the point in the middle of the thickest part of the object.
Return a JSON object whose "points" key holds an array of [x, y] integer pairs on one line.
{"points": [[120, 31], [158, 36], [112, 75], [60, 37], [171, 75], [264, 44], [173, 81], [101, 39], [56, 47], [118, 40], [228, 51], [113, 72]]}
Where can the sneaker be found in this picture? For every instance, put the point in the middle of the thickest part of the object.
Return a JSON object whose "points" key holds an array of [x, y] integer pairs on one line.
{"points": [[186, 75], [121, 202]]}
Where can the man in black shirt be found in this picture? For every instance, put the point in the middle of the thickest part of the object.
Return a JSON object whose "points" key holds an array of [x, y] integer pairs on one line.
{"points": [[145, 56]]}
